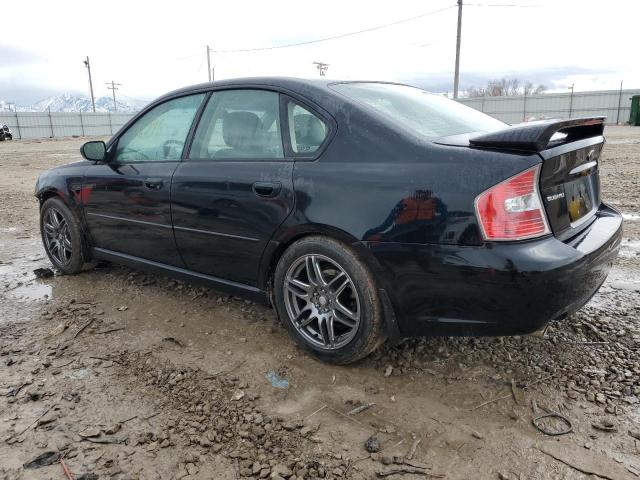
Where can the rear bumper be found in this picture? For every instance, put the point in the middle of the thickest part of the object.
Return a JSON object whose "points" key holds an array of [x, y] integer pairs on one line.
{"points": [[496, 289]]}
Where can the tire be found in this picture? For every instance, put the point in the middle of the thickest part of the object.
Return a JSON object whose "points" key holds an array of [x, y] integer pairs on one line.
{"points": [[9, 137], [311, 307], [63, 241]]}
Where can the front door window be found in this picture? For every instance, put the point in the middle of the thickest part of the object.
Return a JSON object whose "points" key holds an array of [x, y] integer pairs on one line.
{"points": [[160, 134]]}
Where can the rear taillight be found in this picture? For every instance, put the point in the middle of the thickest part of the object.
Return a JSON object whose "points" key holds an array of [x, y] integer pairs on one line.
{"points": [[512, 210]]}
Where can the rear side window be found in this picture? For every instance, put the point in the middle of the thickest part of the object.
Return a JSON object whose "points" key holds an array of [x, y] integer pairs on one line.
{"points": [[239, 124], [423, 113], [306, 130]]}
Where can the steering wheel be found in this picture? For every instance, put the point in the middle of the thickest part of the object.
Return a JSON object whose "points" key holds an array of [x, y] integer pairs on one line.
{"points": [[133, 150], [166, 147]]}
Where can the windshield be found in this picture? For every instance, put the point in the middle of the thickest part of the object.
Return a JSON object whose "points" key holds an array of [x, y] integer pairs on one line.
{"points": [[424, 113]]}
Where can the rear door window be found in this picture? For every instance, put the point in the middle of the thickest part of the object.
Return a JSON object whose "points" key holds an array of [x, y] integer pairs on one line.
{"points": [[239, 124]]}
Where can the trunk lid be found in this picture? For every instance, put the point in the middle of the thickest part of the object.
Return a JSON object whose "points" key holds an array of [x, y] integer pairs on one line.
{"points": [[570, 185], [569, 180]]}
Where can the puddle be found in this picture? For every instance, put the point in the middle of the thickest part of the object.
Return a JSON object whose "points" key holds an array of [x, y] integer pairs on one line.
{"points": [[630, 248], [630, 217], [33, 290], [78, 374], [620, 280], [21, 284]]}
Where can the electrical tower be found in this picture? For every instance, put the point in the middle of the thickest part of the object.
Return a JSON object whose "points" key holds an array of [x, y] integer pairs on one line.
{"points": [[322, 68], [113, 86]]}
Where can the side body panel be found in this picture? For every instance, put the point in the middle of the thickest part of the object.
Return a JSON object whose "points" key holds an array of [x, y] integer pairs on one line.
{"points": [[381, 188], [126, 213], [65, 182], [221, 225]]}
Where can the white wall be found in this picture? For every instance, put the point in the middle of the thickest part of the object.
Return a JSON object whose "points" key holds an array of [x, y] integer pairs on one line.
{"points": [[44, 125], [518, 109]]}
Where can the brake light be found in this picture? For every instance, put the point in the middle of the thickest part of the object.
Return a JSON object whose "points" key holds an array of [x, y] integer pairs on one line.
{"points": [[512, 210]]}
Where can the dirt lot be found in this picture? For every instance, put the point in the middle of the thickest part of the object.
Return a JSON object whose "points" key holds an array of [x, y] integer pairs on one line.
{"points": [[128, 375]]}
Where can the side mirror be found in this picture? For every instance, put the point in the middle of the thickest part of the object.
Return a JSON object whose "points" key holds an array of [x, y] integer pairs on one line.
{"points": [[95, 151]]}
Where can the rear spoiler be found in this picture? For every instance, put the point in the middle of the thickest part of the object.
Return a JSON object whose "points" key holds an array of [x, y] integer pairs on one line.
{"points": [[535, 136]]}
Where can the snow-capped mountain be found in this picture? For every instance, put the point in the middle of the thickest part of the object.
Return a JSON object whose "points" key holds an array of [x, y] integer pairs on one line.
{"points": [[78, 103], [68, 102]]}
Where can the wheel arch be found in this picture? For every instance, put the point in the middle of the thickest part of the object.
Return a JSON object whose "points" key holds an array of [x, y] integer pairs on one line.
{"points": [[49, 192], [287, 237], [284, 239]]}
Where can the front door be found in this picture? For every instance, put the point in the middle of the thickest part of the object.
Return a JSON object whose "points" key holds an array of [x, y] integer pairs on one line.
{"points": [[235, 188], [128, 199]]}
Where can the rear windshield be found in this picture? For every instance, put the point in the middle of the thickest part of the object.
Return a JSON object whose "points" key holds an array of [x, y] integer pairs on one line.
{"points": [[424, 113]]}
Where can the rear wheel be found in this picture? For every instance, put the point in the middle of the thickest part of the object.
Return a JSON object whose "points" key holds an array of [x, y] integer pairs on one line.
{"points": [[328, 300], [61, 236]]}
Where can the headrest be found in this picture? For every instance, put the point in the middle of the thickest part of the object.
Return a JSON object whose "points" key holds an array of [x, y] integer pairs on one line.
{"points": [[309, 129], [240, 130]]}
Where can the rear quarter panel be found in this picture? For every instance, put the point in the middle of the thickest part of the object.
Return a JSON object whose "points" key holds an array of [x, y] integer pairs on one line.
{"points": [[380, 185], [381, 188]]}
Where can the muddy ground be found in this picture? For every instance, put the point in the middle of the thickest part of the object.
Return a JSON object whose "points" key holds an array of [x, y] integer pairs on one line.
{"points": [[119, 374]]}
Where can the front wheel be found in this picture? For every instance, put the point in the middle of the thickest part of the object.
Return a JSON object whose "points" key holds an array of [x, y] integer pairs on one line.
{"points": [[61, 236], [327, 299]]}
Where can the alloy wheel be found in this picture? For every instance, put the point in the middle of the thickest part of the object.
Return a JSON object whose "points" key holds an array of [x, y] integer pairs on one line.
{"points": [[322, 301], [57, 236]]}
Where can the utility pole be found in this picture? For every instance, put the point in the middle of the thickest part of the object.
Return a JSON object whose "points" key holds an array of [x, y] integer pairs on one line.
{"points": [[619, 103], [456, 78], [209, 63], [112, 86], [571, 100], [88, 65]]}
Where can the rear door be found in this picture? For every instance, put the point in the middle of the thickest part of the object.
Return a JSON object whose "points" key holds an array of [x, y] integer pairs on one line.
{"points": [[128, 199], [235, 188]]}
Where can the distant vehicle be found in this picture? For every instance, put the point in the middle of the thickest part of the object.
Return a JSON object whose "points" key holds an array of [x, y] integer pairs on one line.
{"points": [[359, 210], [5, 133]]}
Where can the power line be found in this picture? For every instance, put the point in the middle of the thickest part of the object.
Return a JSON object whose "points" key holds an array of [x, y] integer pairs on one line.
{"points": [[500, 5], [336, 37]]}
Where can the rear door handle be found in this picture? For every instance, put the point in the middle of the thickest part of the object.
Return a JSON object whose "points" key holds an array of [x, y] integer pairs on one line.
{"points": [[153, 183], [267, 189]]}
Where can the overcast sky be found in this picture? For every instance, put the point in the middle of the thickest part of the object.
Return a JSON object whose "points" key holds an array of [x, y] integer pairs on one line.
{"points": [[153, 47]]}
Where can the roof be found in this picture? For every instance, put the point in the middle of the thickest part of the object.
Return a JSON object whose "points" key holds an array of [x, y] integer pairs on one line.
{"points": [[286, 83], [281, 82]]}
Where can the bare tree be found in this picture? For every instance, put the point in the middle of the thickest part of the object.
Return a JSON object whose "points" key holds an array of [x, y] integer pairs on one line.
{"points": [[505, 87]]}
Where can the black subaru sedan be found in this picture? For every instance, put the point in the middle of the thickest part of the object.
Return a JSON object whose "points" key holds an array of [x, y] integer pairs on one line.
{"points": [[361, 211]]}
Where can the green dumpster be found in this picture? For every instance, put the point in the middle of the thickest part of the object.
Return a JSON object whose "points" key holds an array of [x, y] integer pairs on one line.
{"points": [[634, 118]]}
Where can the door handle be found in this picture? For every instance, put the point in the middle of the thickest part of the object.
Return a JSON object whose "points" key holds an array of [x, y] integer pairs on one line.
{"points": [[153, 183], [267, 189]]}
